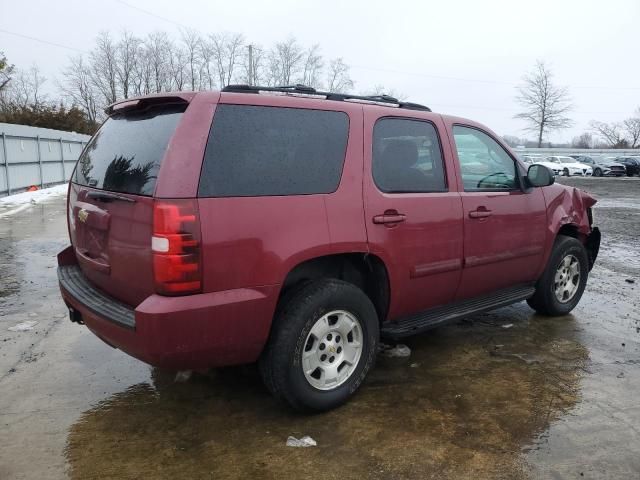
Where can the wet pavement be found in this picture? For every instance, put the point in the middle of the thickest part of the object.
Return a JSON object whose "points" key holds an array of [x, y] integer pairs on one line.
{"points": [[503, 395]]}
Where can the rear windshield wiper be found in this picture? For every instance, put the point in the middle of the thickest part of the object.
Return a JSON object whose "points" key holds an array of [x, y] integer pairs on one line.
{"points": [[108, 197]]}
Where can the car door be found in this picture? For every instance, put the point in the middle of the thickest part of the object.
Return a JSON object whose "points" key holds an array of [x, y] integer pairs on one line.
{"points": [[413, 213], [504, 225]]}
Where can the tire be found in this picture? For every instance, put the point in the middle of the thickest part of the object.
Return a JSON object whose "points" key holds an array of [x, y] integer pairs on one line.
{"points": [[314, 307], [565, 172], [545, 300], [597, 172]]}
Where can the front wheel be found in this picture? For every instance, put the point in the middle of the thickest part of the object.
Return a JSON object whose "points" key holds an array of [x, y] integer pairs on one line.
{"points": [[597, 172], [323, 343], [560, 287]]}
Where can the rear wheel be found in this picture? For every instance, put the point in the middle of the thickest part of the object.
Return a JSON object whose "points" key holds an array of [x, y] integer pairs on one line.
{"points": [[323, 343], [560, 287], [565, 172]]}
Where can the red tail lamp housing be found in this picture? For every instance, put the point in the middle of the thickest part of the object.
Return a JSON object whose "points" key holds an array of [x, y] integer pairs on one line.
{"points": [[176, 247]]}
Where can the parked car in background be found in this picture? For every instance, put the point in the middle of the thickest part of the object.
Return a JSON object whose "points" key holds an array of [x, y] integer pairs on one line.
{"points": [[529, 158], [632, 165], [295, 228], [555, 167], [602, 166], [570, 166]]}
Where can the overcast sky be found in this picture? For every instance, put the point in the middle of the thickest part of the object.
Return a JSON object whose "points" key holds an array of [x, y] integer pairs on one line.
{"points": [[461, 57]]}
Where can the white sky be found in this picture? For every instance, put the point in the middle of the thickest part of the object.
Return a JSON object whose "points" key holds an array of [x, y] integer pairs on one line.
{"points": [[460, 57]]}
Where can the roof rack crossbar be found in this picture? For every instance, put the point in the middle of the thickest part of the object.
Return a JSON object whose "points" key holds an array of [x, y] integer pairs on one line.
{"points": [[301, 90]]}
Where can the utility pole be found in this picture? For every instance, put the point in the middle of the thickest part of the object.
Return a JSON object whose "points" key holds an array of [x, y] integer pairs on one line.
{"points": [[250, 64]]}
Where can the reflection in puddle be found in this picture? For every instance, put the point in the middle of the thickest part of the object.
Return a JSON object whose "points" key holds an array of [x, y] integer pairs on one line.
{"points": [[469, 401]]}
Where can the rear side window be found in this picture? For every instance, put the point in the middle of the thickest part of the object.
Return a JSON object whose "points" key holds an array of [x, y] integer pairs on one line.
{"points": [[261, 151], [126, 153], [407, 157]]}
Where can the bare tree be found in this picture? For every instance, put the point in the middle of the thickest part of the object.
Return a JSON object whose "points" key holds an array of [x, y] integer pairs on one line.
{"points": [[513, 141], [583, 141], [191, 40], [128, 56], [5, 72], [142, 75], [632, 128], [79, 88], [158, 47], [611, 133], [226, 54], [104, 67], [379, 90], [338, 79], [178, 61], [545, 104], [26, 88], [285, 62], [312, 67], [207, 68]]}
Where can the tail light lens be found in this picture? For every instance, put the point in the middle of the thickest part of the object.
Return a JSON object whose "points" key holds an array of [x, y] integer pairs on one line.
{"points": [[176, 247]]}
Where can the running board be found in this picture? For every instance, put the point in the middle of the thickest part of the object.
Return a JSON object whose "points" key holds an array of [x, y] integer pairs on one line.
{"points": [[420, 322]]}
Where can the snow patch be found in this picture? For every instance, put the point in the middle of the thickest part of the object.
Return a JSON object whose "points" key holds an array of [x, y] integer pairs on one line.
{"points": [[395, 351], [21, 201], [35, 196], [305, 441], [24, 326]]}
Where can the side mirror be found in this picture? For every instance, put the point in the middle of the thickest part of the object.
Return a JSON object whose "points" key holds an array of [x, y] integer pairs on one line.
{"points": [[540, 176]]}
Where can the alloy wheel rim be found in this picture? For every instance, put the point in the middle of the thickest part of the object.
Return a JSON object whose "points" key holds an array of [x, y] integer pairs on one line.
{"points": [[332, 350], [567, 279]]}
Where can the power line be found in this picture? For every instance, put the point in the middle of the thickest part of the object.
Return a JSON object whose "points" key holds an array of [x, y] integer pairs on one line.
{"points": [[160, 17], [40, 40]]}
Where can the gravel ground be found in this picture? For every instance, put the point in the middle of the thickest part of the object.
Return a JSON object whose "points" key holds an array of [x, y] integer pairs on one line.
{"points": [[503, 395]]}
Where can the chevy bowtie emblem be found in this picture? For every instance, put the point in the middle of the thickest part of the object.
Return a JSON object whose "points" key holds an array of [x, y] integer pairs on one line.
{"points": [[82, 215]]}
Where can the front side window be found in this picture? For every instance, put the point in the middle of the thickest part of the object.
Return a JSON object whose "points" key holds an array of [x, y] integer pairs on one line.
{"points": [[484, 164], [264, 151], [407, 157]]}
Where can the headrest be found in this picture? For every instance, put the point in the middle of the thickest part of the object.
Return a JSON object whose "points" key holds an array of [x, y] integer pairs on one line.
{"points": [[400, 154]]}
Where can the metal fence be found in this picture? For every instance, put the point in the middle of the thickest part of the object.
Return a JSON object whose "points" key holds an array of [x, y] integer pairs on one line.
{"points": [[591, 152], [36, 156]]}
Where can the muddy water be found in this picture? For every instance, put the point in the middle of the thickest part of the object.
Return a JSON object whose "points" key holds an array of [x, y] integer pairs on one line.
{"points": [[507, 395]]}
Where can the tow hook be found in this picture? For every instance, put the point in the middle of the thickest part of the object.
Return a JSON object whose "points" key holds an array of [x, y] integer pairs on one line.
{"points": [[75, 316]]}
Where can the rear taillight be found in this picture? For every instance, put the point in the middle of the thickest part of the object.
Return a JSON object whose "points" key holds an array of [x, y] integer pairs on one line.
{"points": [[176, 247]]}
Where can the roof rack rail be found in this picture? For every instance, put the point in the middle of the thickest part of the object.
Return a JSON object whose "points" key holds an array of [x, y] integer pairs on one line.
{"points": [[310, 92]]}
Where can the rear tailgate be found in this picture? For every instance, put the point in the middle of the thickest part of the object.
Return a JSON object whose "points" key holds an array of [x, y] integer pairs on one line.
{"points": [[110, 199]]}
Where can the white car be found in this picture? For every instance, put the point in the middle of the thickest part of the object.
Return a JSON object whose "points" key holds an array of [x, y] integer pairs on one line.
{"points": [[556, 167], [567, 166]]}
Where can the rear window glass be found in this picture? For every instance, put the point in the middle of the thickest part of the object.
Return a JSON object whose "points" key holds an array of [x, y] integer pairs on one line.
{"points": [[126, 153], [261, 151]]}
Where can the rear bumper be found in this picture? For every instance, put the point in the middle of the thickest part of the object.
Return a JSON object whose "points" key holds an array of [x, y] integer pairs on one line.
{"points": [[191, 332]]}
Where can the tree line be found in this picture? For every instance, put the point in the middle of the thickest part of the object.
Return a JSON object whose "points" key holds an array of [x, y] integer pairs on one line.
{"points": [[127, 66]]}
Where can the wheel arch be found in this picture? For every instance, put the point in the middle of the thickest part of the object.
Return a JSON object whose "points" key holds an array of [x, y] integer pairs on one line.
{"points": [[362, 269]]}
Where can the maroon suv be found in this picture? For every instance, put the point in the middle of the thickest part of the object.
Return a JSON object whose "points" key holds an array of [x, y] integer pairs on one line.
{"points": [[295, 228]]}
